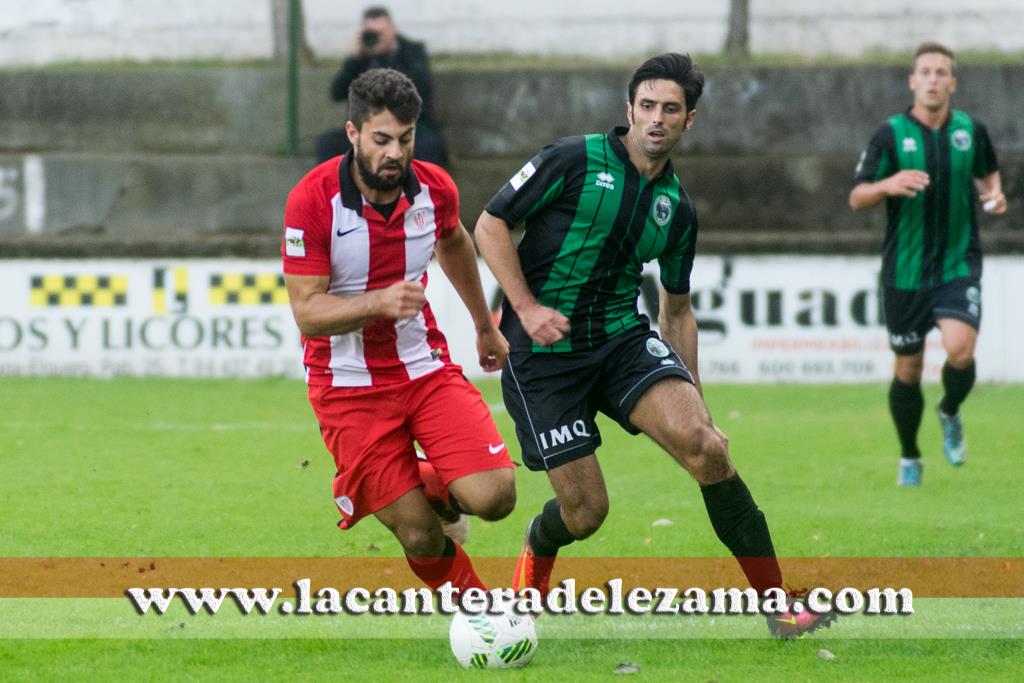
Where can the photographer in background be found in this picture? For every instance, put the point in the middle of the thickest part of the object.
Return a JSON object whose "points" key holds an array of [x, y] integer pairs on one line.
{"points": [[378, 44]]}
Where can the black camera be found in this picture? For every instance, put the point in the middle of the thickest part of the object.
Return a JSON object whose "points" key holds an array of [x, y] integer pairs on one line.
{"points": [[370, 38]]}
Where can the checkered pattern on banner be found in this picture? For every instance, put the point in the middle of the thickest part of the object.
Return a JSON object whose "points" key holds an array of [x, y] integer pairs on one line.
{"points": [[73, 291], [247, 289]]}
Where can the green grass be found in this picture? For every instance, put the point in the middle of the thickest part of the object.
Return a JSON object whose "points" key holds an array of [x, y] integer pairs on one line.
{"points": [[404, 660], [151, 467]]}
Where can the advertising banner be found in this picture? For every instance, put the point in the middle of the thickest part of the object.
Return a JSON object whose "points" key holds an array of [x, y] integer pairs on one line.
{"points": [[762, 319]]}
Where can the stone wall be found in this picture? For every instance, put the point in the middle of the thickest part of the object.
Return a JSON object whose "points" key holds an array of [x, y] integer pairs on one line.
{"points": [[191, 159]]}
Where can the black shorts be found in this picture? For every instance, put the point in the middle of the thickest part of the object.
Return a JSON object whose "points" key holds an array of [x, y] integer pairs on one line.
{"points": [[910, 314], [554, 397]]}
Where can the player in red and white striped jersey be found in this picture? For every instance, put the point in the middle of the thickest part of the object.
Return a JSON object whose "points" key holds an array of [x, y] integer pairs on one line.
{"points": [[360, 231]]}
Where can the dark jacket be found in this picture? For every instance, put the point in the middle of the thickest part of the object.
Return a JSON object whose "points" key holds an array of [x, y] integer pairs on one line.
{"points": [[410, 57]]}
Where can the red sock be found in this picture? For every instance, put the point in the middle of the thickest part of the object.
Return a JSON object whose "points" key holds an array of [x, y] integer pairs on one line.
{"points": [[762, 572], [453, 565]]}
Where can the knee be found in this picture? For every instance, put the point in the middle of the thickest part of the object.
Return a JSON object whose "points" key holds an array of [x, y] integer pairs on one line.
{"points": [[585, 518], [908, 369], [961, 358], [704, 452], [491, 499], [499, 504], [420, 540]]}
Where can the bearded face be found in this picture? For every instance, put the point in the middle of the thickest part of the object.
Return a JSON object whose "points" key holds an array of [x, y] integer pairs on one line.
{"points": [[381, 174], [382, 147]]}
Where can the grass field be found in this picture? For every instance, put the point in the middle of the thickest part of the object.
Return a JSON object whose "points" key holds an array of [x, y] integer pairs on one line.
{"points": [[175, 468]]}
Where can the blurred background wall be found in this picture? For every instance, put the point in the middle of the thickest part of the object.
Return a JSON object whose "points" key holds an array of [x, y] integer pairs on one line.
{"points": [[56, 31]]}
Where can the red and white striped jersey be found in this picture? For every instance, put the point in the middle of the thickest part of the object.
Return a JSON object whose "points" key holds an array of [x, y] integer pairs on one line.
{"points": [[330, 229]]}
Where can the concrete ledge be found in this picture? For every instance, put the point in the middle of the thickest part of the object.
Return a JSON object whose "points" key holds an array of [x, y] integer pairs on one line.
{"points": [[267, 244], [216, 204]]}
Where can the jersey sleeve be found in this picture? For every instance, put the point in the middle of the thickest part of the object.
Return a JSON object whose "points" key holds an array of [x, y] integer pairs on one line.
{"points": [[984, 154], [878, 160], [306, 247], [446, 213], [536, 185], [676, 263]]}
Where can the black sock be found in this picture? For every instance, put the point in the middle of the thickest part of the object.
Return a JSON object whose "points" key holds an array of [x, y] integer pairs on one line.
{"points": [[906, 403], [548, 532], [958, 383], [741, 526]]}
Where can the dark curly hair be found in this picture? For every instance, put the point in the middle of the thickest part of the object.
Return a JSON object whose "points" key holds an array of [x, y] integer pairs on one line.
{"points": [[379, 89], [670, 66]]}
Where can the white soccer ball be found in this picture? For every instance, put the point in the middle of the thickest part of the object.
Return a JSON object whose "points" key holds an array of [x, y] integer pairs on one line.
{"points": [[481, 641]]}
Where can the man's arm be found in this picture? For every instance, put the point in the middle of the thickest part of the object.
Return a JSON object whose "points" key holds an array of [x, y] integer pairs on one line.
{"points": [[458, 261], [679, 329], [544, 325], [990, 189], [318, 313], [902, 184]]}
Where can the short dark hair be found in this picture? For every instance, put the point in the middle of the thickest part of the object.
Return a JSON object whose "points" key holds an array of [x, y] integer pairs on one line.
{"points": [[933, 47], [376, 12], [670, 66], [379, 89]]}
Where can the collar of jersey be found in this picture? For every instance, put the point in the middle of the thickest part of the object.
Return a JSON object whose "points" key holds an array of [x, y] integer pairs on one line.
{"points": [[910, 115], [623, 155], [352, 198]]}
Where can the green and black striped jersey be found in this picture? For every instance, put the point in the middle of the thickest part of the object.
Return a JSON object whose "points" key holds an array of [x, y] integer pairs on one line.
{"points": [[932, 238], [591, 223]]}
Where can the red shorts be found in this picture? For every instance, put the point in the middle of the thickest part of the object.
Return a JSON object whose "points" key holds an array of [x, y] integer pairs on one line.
{"points": [[370, 433]]}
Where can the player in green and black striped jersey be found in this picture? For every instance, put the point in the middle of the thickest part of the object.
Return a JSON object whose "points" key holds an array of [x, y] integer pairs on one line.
{"points": [[596, 208], [932, 166]]}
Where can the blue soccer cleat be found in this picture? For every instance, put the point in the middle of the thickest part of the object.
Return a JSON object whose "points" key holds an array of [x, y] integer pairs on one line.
{"points": [[953, 442], [910, 472]]}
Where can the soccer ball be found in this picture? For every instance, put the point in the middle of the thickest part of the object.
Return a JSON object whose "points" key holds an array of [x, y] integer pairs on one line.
{"points": [[481, 641]]}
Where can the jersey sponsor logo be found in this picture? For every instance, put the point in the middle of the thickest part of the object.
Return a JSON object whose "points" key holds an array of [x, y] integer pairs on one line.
{"points": [[347, 232], [961, 140], [294, 242], [563, 434], [344, 504], [605, 180], [909, 145], [662, 210], [657, 348], [525, 173]]}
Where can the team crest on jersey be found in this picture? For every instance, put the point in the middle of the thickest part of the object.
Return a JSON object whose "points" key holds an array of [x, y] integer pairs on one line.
{"points": [[961, 140], [419, 218], [662, 210], [344, 504], [909, 145], [657, 348]]}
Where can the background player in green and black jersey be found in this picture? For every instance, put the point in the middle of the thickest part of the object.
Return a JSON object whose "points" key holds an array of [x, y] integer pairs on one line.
{"points": [[596, 208], [932, 165]]}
